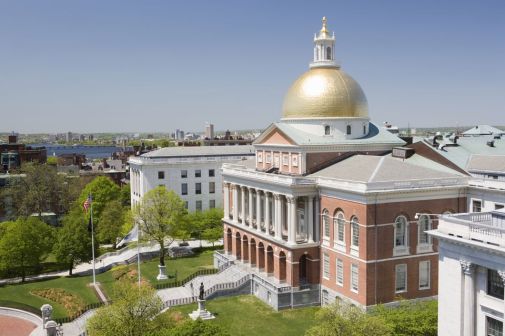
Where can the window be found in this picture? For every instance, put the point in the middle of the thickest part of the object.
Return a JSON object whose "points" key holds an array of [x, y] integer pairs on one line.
{"points": [[493, 327], [212, 173], [161, 175], [184, 173], [198, 188], [354, 277], [212, 187], [498, 206], [198, 205], [476, 206], [326, 224], [198, 173], [364, 129], [212, 204], [424, 224], [184, 189], [326, 266], [494, 284], [326, 130], [424, 274], [348, 129], [260, 157], [285, 159], [186, 204], [401, 236], [294, 160], [268, 158], [340, 272], [355, 232], [401, 278], [339, 227], [328, 53]]}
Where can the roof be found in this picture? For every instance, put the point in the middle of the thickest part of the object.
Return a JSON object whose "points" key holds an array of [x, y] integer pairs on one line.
{"points": [[483, 129], [487, 163], [368, 168], [200, 151], [376, 135]]}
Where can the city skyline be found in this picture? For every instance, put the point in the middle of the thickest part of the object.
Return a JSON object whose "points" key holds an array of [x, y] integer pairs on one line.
{"points": [[136, 67]]}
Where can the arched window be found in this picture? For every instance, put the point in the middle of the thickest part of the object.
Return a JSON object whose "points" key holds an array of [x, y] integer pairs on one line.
{"points": [[401, 230], [328, 53], [348, 129], [326, 130], [339, 227], [424, 224], [354, 232], [326, 224]]}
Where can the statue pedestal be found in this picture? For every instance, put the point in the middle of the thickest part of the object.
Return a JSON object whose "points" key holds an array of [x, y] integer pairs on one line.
{"points": [[163, 274], [201, 313]]}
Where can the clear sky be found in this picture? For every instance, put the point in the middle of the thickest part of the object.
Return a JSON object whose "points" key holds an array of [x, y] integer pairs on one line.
{"points": [[149, 66]]}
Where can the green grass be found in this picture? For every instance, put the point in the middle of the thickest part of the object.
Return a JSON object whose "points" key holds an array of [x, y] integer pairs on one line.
{"points": [[20, 293], [247, 315]]}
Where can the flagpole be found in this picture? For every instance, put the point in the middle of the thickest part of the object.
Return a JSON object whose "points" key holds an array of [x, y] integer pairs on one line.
{"points": [[92, 241]]}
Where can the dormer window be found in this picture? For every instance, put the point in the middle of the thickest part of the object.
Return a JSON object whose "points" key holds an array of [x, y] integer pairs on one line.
{"points": [[326, 130], [348, 129]]}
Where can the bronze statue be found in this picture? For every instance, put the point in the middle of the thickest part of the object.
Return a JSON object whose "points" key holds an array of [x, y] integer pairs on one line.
{"points": [[201, 291]]}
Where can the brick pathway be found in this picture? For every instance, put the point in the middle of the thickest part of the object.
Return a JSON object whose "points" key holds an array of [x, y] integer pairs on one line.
{"points": [[13, 326]]}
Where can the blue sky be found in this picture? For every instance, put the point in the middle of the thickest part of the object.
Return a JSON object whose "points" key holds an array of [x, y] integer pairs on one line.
{"points": [[149, 66]]}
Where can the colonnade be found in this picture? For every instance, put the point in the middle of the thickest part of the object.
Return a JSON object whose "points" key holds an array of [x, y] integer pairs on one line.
{"points": [[282, 217]]}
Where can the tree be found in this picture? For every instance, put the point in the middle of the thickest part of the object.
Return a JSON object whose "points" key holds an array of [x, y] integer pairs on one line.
{"points": [[111, 222], [341, 319], [411, 318], [73, 243], [103, 190], [195, 328], [212, 225], [125, 195], [159, 215], [41, 189], [134, 312], [24, 245]]}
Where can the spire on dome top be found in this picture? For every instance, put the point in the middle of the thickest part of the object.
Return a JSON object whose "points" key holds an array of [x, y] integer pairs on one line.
{"points": [[324, 48], [324, 29]]}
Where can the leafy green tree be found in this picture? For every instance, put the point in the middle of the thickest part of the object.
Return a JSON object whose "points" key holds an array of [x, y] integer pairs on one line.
{"points": [[125, 196], [41, 189], [73, 243], [160, 214], [411, 318], [212, 225], [341, 319], [24, 244], [103, 190], [134, 312], [111, 222]]}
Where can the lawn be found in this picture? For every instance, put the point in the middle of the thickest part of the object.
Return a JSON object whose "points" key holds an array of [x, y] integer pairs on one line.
{"points": [[247, 315], [20, 293]]}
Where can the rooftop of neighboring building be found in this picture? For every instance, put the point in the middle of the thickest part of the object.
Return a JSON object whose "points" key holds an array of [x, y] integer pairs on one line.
{"points": [[483, 130], [479, 163], [197, 151]]}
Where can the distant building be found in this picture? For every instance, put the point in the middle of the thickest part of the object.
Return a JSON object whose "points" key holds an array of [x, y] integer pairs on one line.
{"points": [[194, 173], [209, 131], [13, 154], [226, 140], [471, 273], [69, 137]]}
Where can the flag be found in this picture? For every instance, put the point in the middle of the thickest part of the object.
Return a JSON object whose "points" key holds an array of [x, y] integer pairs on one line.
{"points": [[87, 203]]}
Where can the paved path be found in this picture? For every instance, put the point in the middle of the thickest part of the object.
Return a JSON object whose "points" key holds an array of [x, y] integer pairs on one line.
{"points": [[13, 326]]}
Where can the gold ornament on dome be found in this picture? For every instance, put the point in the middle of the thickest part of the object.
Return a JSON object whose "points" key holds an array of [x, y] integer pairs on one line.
{"points": [[325, 93]]}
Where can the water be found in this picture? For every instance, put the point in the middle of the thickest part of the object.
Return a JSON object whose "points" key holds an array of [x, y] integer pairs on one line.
{"points": [[91, 152]]}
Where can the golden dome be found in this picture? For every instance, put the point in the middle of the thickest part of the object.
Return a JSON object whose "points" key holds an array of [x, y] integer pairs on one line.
{"points": [[325, 93]]}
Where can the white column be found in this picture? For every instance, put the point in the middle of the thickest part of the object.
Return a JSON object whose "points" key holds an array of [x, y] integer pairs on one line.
{"points": [[317, 217], [235, 202], [267, 212], [292, 224], [310, 220], [242, 212], [250, 212], [469, 298], [258, 210], [226, 200], [278, 214]]}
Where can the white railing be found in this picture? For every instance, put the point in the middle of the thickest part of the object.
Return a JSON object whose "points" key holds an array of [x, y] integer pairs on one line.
{"points": [[480, 227], [241, 171]]}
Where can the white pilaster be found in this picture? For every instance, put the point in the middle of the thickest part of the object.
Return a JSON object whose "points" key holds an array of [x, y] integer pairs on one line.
{"points": [[267, 211], [258, 210], [310, 219], [235, 202], [293, 222], [226, 200], [250, 209], [242, 211], [278, 218], [469, 298]]}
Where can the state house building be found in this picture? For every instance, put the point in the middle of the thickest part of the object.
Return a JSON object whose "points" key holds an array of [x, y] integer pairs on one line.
{"points": [[332, 206]]}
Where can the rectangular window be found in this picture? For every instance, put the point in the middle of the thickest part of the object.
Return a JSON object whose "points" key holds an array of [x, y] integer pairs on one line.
{"points": [[285, 160], [340, 229], [355, 234], [354, 277], [326, 266], [212, 204], [494, 284], [212, 173], [212, 187], [198, 205], [184, 173], [198, 188], [401, 278], [493, 327], [161, 175], [260, 157], [294, 160], [268, 157], [476, 206], [198, 173], [424, 274], [184, 189], [340, 272]]}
